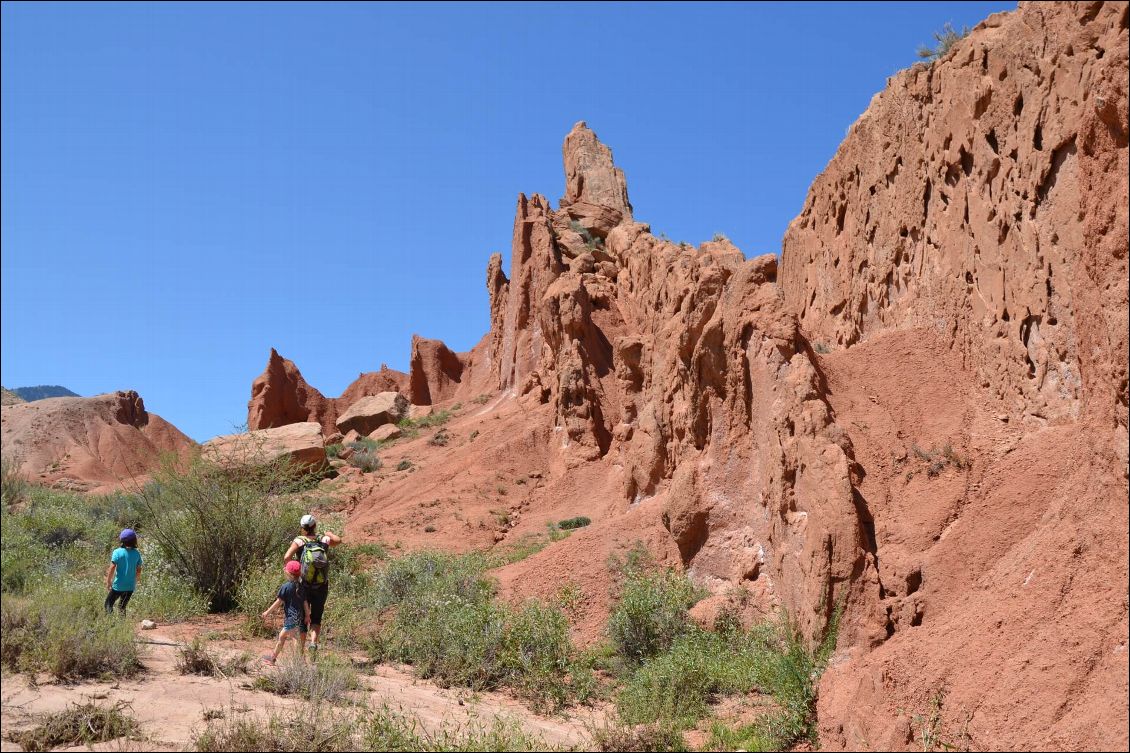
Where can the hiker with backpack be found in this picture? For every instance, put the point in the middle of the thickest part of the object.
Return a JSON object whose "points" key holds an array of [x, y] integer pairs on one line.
{"points": [[312, 553], [124, 572]]}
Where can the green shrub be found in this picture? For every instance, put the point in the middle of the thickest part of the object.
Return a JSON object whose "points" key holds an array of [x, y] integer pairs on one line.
{"points": [[313, 730], [945, 39], [21, 557], [571, 523], [440, 438], [677, 686], [79, 724], [651, 613], [404, 465], [388, 730], [615, 735], [447, 624], [380, 729], [65, 632], [367, 460], [438, 418], [214, 524], [195, 659], [163, 595], [364, 444], [333, 450], [13, 485], [328, 680]]}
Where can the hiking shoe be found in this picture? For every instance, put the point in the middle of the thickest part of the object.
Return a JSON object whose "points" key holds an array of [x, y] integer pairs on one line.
{"points": [[268, 660]]}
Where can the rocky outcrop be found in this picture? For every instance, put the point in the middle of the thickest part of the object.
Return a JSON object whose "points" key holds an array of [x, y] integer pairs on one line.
{"points": [[681, 365], [280, 396], [435, 372], [371, 383], [102, 442], [369, 413], [977, 197], [300, 444]]}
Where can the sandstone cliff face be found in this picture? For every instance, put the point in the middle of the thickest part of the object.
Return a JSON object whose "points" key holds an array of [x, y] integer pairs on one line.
{"points": [[964, 258], [87, 443], [979, 197], [681, 367]]}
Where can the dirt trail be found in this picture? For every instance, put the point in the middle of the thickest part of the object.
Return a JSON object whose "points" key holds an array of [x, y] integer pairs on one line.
{"points": [[170, 706]]}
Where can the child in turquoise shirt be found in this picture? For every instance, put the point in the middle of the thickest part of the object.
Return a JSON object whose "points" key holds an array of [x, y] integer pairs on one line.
{"points": [[124, 571]]}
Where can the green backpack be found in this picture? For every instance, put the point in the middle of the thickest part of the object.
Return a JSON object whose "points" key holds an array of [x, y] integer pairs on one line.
{"points": [[315, 562]]}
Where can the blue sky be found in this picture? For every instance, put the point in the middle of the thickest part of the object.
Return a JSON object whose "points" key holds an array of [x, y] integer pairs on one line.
{"points": [[186, 186]]}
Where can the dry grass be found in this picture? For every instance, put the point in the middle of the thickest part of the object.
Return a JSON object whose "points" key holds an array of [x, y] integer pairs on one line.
{"points": [[80, 724]]}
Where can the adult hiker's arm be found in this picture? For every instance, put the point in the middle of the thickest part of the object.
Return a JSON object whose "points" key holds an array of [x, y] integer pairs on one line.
{"points": [[331, 538], [290, 552]]}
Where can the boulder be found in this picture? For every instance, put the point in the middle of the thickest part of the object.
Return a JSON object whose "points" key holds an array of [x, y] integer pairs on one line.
{"points": [[386, 433], [301, 443], [368, 413]]}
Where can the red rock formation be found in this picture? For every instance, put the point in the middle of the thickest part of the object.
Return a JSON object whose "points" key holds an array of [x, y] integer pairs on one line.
{"points": [[953, 472], [371, 383], [280, 396], [435, 372], [680, 365], [102, 442]]}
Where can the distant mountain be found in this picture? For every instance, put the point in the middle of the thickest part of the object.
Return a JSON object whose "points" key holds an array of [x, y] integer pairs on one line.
{"points": [[11, 398], [43, 391]]}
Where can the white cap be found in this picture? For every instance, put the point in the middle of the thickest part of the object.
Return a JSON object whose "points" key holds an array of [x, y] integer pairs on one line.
{"points": [[308, 520]]}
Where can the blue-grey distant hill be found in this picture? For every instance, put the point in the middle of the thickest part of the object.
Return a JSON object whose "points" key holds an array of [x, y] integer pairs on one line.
{"points": [[43, 391]]}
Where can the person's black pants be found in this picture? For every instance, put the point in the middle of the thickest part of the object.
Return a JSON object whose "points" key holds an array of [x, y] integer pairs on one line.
{"points": [[316, 598], [113, 596]]}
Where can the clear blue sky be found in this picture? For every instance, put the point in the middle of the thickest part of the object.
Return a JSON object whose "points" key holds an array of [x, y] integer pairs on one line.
{"points": [[186, 186]]}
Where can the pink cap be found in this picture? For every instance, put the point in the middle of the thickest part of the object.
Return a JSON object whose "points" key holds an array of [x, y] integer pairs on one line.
{"points": [[293, 568]]}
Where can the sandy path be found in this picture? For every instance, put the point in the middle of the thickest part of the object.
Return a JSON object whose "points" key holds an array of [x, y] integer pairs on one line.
{"points": [[170, 706]]}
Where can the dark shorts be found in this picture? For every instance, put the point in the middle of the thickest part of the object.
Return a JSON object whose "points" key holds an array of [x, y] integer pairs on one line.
{"points": [[316, 598]]}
